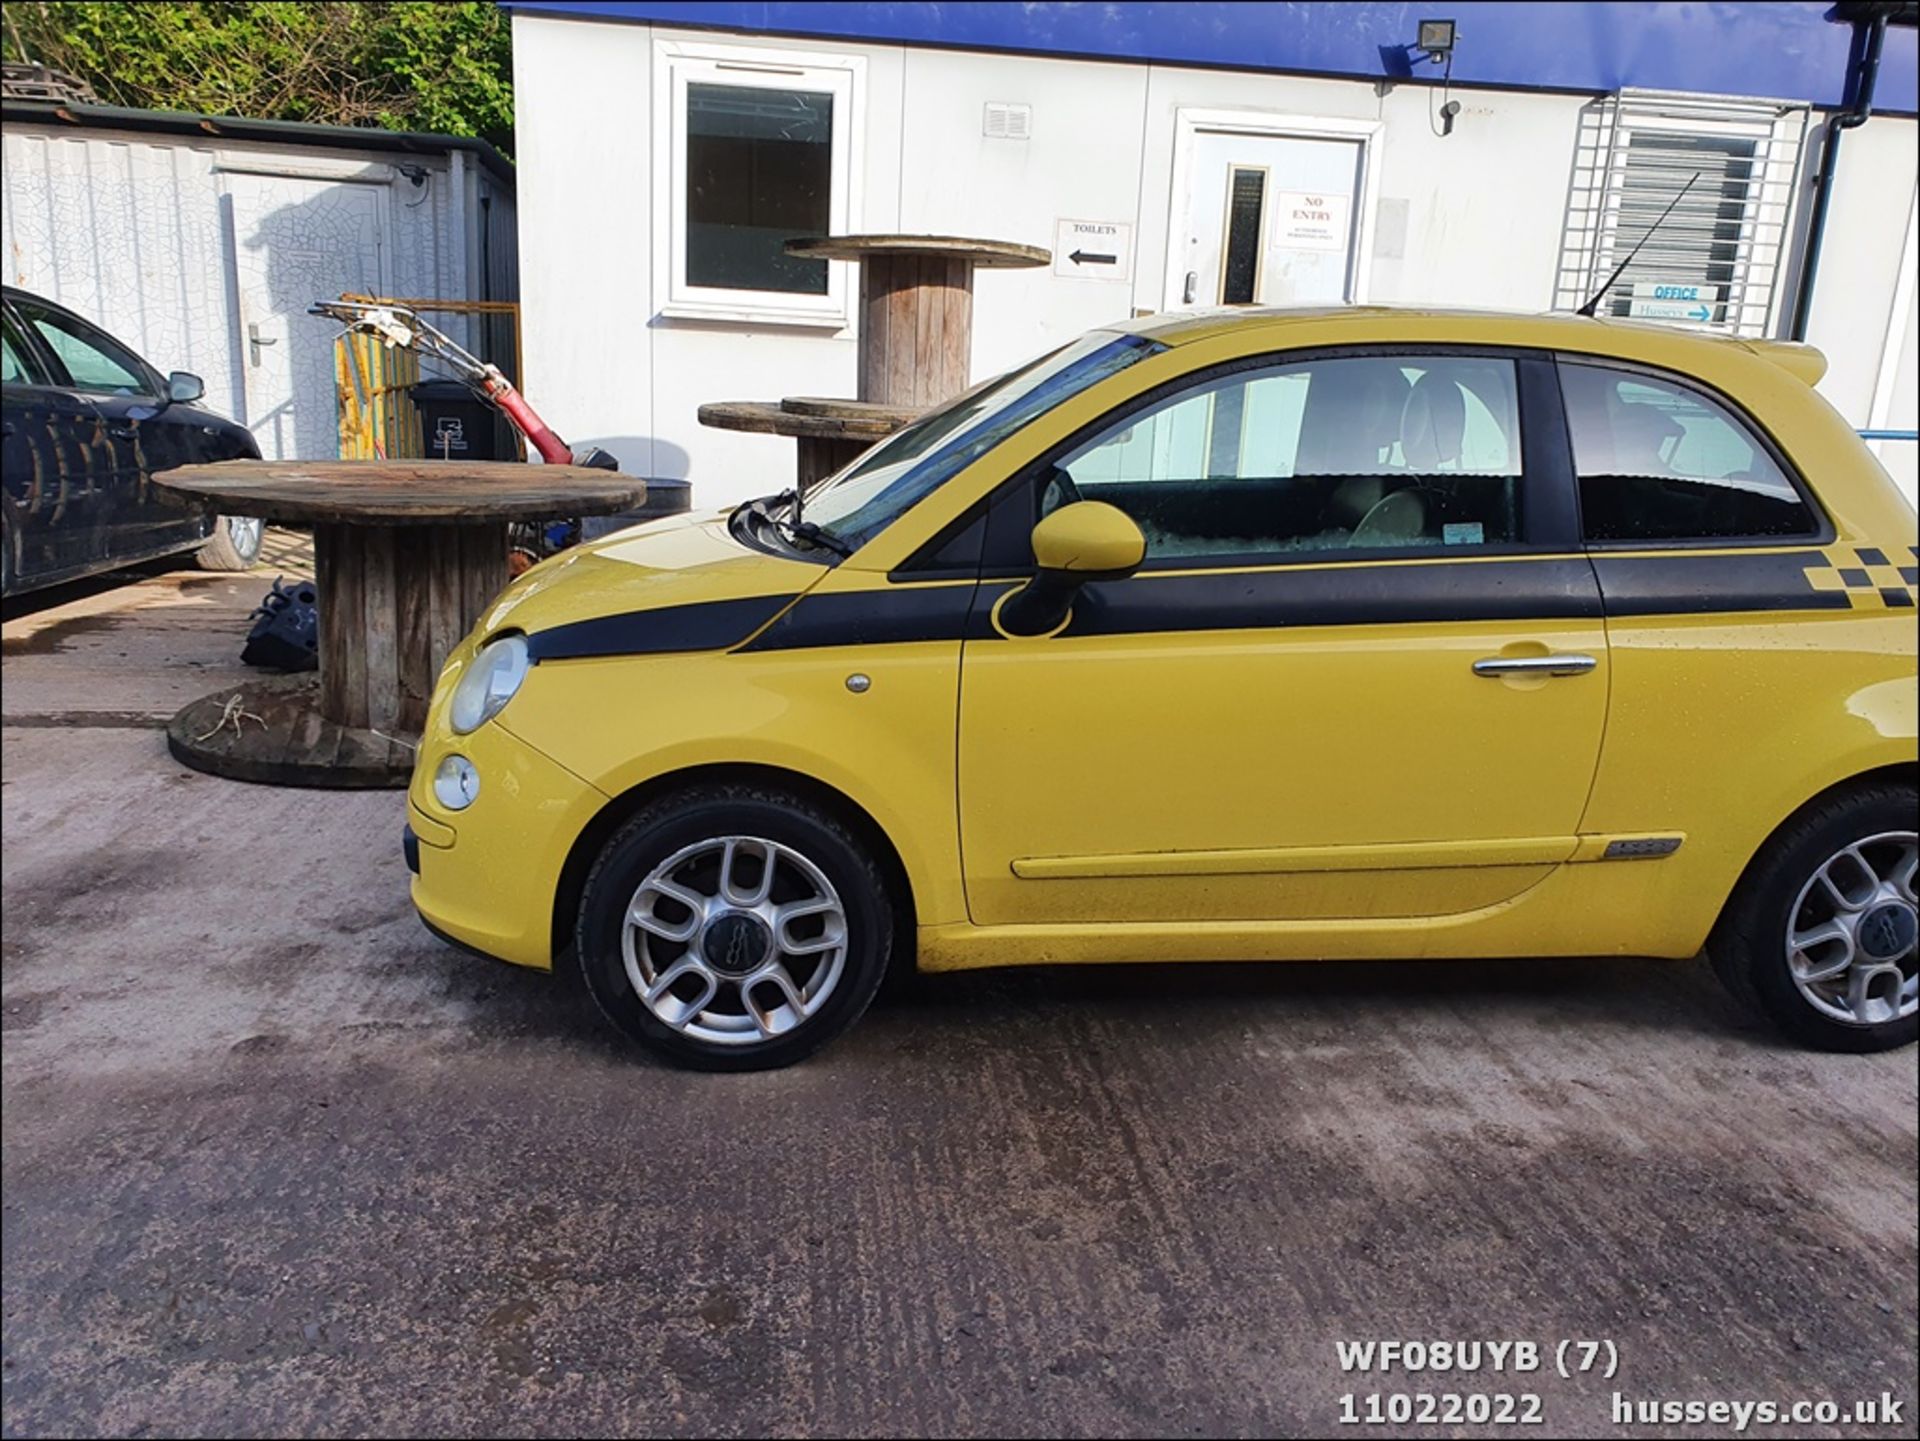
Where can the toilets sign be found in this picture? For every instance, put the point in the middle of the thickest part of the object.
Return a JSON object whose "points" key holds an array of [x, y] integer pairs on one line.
{"points": [[1093, 250]]}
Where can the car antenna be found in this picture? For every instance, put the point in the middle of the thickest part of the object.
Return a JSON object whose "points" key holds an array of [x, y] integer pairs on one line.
{"points": [[1594, 303]]}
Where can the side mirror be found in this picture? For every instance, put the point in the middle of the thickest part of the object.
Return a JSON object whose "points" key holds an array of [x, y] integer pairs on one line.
{"points": [[1086, 541], [183, 387]]}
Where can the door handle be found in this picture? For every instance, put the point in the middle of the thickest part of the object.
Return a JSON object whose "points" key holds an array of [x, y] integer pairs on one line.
{"points": [[256, 340], [1499, 665], [1193, 285], [121, 432]]}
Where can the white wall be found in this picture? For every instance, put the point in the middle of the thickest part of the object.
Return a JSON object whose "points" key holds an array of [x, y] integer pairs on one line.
{"points": [[1082, 163], [1471, 219], [1485, 204], [1867, 265], [582, 100]]}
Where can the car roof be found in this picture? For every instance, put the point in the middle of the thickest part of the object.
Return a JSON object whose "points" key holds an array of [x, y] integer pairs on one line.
{"points": [[1278, 328]]}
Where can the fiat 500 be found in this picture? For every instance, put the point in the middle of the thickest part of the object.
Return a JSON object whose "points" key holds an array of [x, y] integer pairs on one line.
{"points": [[1260, 636]]}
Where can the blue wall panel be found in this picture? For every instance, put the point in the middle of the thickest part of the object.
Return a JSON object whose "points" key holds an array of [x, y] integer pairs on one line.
{"points": [[1789, 49]]}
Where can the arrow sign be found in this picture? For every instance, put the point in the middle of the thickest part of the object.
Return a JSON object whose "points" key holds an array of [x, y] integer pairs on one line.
{"points": [[1093, 252], [1695, 309]]}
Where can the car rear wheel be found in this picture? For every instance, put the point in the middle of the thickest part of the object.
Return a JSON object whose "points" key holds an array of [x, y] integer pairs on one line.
{"points": [[234, 544], [734, 928], [1824, 931]]}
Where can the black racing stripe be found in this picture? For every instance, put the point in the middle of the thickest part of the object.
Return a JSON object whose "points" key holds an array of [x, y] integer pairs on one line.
{"points": [[709, 625], [1910, 574], [1898, 599], [1703, 584], [890, 617], [1870, 555], [1561, 588], [1555, 588]]}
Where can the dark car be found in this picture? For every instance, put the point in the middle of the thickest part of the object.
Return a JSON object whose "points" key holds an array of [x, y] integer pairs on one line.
{"points": [[87, 425]]}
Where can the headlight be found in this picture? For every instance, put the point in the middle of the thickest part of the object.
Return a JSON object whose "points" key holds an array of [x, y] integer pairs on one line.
{"points": [[490, 682], [456, 783]]}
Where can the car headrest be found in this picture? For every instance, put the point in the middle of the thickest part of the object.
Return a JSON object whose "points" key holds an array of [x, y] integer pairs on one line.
{"points": [[1434, 423], [1352, 415], [1641, 439]]}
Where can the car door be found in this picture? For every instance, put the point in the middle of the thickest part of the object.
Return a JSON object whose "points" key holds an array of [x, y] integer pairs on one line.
{"points": [[58, 466], [1361, 673], [132, 439], [1723, 578]]}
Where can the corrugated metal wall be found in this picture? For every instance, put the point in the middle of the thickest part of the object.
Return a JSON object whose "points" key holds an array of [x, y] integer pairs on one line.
{"points": [[127, 233], [163, 241]]}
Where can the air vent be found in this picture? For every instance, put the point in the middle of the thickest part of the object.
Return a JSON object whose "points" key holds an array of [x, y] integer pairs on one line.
{"points": [[1007, 122]]}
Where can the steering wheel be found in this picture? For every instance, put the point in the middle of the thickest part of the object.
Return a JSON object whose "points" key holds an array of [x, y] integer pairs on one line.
{"points": [[1394, 519]]}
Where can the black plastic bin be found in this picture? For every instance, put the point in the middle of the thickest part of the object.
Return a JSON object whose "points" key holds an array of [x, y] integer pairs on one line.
{"points": [[455, 424]]}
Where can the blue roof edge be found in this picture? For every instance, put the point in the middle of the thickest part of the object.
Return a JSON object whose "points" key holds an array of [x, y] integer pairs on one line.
{"points": [[1759, 49]]}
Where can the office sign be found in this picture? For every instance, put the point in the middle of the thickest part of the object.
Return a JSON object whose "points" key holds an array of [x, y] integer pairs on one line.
{"points": [[1667, 300]]}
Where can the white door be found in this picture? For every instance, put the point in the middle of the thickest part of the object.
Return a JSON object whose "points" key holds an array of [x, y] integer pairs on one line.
{"points": [[1266, 220], [296, 241]]}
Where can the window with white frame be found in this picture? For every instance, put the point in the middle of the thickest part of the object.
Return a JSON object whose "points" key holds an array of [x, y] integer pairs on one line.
{"points": [[1727, 166], [754, 147]]}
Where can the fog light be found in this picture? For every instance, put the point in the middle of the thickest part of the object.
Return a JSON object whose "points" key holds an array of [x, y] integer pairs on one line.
{"points": [[456, 783]]}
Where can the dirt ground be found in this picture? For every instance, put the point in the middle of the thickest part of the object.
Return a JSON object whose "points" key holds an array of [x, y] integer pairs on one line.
{"points": [[278, 1162]]}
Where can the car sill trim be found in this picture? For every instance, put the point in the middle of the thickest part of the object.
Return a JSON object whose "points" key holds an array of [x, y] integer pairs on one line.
{"points": [[1282, 860]]}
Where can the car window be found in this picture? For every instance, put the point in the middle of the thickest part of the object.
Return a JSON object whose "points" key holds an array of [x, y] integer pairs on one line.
{"points": [[1660, 461], [13, 356], [93, 360], [1338, 454], [862, 500]]}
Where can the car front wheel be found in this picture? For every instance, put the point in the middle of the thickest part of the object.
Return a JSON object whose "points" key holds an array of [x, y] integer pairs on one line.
{"points": [[234, 544], [734, 928], [1823, 933]]}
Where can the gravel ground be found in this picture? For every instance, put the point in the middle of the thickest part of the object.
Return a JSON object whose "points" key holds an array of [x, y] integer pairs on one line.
{"points": [[278, 1162]]}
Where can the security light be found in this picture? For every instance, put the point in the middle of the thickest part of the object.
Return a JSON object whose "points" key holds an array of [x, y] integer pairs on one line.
{"points": [[1436, 38]]}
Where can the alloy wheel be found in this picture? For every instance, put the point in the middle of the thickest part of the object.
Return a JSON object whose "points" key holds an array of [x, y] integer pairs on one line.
{"points": [[1854, 932], [734, 940], [244, 531]]}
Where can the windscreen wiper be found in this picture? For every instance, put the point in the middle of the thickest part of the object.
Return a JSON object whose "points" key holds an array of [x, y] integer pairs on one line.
{"points": [[805, 531]]}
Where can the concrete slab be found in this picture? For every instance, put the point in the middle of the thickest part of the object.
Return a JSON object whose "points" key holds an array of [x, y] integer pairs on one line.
{"points": [[277, 1162], [133, 647]]}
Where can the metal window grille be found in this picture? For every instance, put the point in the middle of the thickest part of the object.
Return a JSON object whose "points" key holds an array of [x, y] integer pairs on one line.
{"points": [[1717, 259]]}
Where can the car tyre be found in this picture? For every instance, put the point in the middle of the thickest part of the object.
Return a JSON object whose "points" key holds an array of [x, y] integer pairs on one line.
{"points": [[1833, 892], [695, 901], [234, 545]]}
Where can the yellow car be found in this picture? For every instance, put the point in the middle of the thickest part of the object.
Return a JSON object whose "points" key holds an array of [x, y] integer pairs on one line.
{"points": [[1248, 635]]}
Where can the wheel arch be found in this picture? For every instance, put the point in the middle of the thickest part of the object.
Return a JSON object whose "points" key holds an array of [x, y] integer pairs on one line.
{"points": [[1896, 773], [610, 817]]}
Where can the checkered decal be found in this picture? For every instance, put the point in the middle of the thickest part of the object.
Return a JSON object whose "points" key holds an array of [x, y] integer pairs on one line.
{"points": [[1870, 578]]}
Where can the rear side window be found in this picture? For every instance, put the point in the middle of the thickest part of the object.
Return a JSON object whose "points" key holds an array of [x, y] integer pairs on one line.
{"points": [[1660, 461]]}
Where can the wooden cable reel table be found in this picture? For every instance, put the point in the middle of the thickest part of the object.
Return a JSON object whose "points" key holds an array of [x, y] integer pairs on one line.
{"points": [[407, 556], [916, 343]]}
